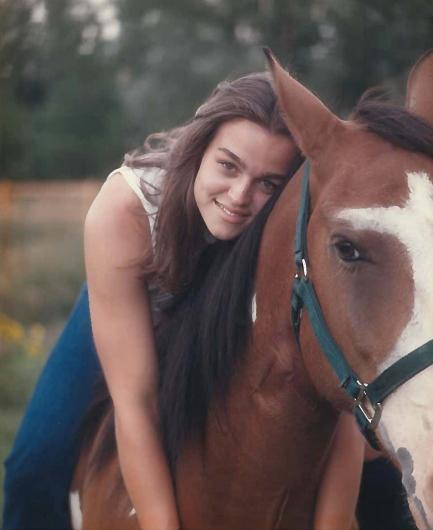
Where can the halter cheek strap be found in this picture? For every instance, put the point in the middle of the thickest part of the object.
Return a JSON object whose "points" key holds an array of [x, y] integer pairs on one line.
{"points": [[367, 398]]}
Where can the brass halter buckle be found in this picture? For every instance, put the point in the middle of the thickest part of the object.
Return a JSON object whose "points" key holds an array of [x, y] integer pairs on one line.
{"points": [[371, 413]]}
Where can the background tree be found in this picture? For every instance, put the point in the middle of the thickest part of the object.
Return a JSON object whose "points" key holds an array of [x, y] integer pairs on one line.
{"points": [[371, 43], [77, 98], [68, 134], [64, 114], [20, 88]]}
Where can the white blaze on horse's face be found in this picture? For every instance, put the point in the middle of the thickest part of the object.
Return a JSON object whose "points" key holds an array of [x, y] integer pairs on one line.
{"points": [[407, 421]]}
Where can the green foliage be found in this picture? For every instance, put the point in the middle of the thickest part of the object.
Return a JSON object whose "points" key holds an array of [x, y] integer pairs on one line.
{"points": [[64, 117], [375, 43], [75, 100], [16, 44], [18, 373]]}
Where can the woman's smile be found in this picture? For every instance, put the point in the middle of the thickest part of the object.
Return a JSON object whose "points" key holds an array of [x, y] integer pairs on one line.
{"points": [[234, 216], [241, 168]]}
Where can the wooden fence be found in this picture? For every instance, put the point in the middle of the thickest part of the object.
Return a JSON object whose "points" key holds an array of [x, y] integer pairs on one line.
{"points": [[45, 201], [32, 207]]}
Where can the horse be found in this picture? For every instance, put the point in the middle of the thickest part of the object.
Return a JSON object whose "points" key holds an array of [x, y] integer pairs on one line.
{"points": [[248, 422]]}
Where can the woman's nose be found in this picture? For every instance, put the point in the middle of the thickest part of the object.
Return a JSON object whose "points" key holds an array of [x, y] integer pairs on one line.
{"points": [[240, 192]]}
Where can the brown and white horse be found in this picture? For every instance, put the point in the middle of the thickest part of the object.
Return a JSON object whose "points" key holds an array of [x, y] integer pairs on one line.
{"points": [[370, 247]]}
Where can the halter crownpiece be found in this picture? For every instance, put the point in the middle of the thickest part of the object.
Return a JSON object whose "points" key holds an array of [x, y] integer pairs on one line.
{"points": [[367, 397]]}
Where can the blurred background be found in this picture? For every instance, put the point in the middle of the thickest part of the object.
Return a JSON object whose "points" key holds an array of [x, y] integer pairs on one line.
{"points": [[83, 81]]}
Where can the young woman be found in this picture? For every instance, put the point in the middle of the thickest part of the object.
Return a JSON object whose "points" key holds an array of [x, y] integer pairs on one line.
{"points": [[144, 235]]}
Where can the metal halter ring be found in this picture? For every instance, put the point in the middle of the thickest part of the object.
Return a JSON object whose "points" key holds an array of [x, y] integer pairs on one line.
{"points": [[371, 419], [302, 270], [361, 394]]}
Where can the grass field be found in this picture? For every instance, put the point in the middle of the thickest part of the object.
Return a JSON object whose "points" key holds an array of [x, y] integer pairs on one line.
{"points": [[41, 270]]}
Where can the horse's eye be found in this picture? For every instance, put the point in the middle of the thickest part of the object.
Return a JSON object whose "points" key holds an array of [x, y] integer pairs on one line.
{"points": [[346, 251]]}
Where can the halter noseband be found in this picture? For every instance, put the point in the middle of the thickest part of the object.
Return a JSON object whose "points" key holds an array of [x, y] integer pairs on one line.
{"points": [[367, 397]]}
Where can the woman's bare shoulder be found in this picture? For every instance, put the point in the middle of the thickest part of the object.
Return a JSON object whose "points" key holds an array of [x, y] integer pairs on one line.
{"points": [[117, 196], [116, 225]]}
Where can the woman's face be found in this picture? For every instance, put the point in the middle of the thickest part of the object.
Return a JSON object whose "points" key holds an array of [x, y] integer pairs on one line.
{"points": [[241, 168]]}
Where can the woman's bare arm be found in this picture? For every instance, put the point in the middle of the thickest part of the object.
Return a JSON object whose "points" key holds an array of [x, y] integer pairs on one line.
{"points": [[117, 234], [339, 489]]}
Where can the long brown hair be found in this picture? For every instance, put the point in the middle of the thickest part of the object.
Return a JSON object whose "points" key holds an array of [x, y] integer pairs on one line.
{"points": [[180, 233]]}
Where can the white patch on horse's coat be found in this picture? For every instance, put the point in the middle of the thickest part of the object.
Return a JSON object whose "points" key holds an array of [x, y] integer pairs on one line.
{"points": [[132, 512], [254, 309], [412, 224], [404, 409], [75, 507]]}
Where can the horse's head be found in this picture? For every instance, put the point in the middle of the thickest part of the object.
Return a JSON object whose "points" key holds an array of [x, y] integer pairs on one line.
{"points": [[370, 249]]}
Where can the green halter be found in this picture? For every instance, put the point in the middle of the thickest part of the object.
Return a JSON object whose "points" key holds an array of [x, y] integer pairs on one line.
{"points": [[367, 398]]}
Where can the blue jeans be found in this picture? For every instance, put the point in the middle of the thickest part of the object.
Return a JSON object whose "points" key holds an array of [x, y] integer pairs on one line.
{"points": [[40, 467]]}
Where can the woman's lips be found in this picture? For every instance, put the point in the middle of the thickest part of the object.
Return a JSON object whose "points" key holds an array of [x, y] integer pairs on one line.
{"points": [[236, 216]]}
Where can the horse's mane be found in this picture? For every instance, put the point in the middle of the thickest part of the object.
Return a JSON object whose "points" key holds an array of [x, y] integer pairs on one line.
{"points": [[394, 123], [204, 331]]}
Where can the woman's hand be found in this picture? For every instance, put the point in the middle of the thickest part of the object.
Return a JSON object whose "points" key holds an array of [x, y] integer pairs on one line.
{"points": [[339, 488]]}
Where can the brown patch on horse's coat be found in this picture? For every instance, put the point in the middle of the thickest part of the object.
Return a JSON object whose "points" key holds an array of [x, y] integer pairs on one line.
{"points": [[108, 507], [358, 299], [366, 297]]}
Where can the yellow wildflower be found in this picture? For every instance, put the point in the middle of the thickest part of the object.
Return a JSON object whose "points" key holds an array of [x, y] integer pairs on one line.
{"points": [[10, 330]]}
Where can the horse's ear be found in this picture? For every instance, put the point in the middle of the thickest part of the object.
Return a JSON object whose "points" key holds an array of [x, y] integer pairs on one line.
{"points": [[307, 118], [419, 92]]}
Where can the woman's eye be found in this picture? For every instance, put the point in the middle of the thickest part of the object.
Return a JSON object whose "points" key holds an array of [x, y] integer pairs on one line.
{"points": [[347, 251], [269, 186], [228, 166]]}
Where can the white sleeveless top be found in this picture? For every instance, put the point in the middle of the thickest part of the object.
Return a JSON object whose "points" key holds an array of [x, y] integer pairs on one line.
{"points": [[151, 180]]}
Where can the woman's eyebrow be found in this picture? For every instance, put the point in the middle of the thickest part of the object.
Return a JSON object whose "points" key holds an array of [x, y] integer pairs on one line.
{"points": [[233, 156], [273, 176]]}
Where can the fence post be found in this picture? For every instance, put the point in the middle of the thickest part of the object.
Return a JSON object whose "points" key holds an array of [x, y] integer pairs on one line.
{"points": [[6, 212]]}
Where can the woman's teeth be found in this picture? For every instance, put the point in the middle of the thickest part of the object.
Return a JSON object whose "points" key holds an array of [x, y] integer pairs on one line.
{"points": [[225, 210]]}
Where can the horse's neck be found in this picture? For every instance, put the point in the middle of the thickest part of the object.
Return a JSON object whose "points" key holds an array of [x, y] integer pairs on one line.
{"points": [[275, 348], [263, 457], [265, 447]]}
